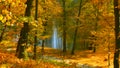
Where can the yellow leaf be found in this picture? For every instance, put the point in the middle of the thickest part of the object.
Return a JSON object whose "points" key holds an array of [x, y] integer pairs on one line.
{"points": [[9, 1], [5, 11], [3, 20], [1, 17], [13, 4], [8, 17], [8, 23]]}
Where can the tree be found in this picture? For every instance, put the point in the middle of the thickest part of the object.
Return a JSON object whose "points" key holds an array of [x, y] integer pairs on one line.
{"points": [[117, 38], [44, 24], [24, 32], [76, 29], [96, 25], [35, 38], [64, 25]]}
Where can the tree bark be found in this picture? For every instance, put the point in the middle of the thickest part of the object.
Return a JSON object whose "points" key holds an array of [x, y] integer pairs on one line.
{"points": [[44, 24], [76, 29], [95, 27], [2, 34], [24, 32], [35, 38], [42, 50], [64, 26], [117, 38]]}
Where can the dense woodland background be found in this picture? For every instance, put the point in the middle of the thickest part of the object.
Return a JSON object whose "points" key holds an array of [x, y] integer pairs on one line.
{"points": [[33, 31]]}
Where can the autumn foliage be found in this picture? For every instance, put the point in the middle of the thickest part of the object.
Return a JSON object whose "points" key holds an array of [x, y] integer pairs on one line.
{"points": [[84, 28]]}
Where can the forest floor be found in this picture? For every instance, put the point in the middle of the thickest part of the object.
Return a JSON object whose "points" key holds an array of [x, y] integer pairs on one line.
{"points": [[98, 59]]}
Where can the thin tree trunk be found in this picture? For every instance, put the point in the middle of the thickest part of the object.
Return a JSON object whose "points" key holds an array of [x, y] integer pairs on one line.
{"points": [[117, 38], [76, 29], [3, 31], [64, 26], [95, 28], [95, 44], [42, 50], [35, 39], [24, 33], [44, 25]]}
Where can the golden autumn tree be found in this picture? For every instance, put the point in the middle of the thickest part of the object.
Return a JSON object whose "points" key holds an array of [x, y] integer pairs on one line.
{"points": [[24, 32], [9, 18]]}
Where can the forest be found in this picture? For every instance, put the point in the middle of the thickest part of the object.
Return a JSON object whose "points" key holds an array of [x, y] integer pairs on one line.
{"points": [[59, 33]]}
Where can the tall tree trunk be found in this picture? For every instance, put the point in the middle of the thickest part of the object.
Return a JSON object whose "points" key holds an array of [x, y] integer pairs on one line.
{"points": [[76, 29], [95, 27], [44, 25], [117, 38], [35, 38], [24, 33], [64, 26]]}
